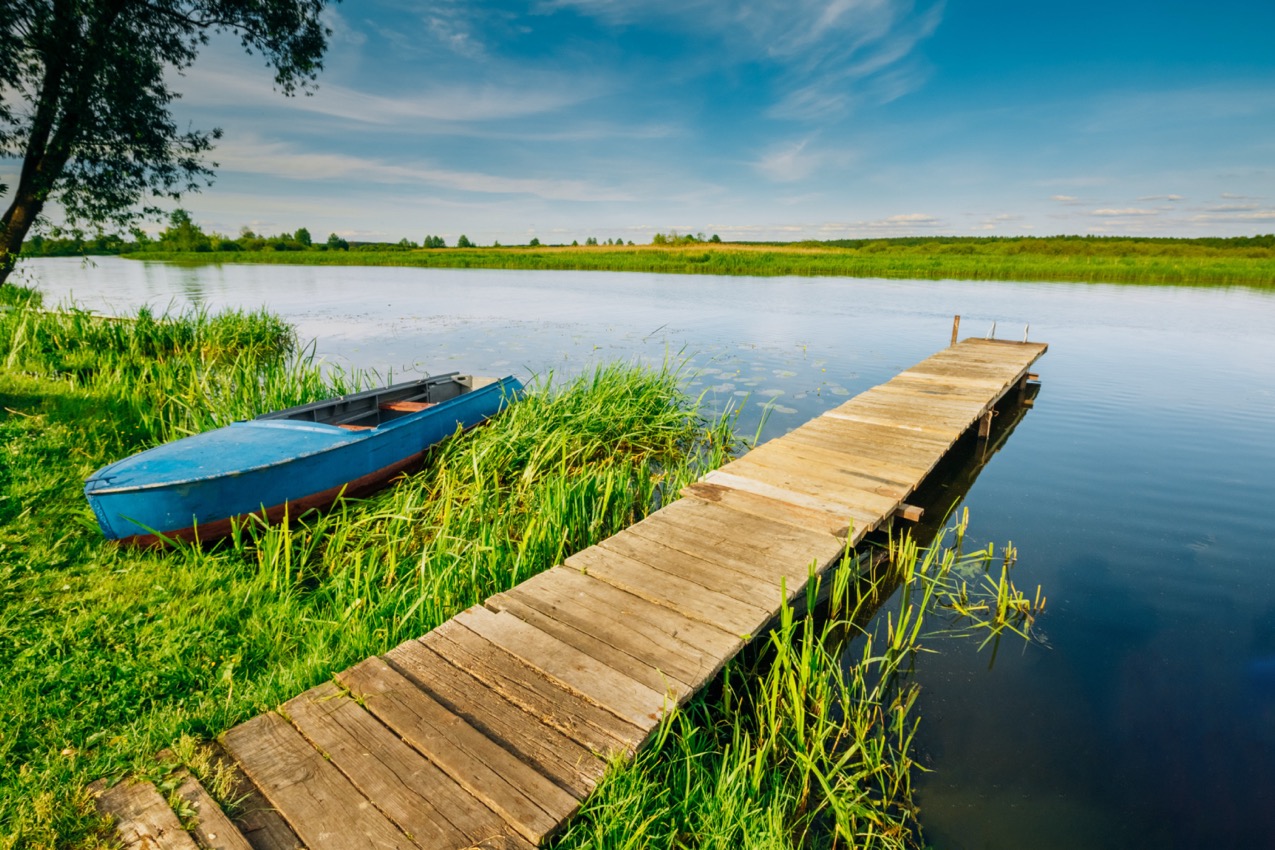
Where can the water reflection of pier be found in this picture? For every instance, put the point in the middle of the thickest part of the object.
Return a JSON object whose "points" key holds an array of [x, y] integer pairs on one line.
{"points": [[493, 728]]}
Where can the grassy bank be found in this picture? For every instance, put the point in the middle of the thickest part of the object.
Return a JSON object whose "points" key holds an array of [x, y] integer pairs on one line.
{"points": [[112, 655], [1183, 262]]}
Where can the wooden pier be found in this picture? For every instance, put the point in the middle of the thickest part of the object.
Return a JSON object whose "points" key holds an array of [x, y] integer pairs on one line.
{"points": [[490, 730]]}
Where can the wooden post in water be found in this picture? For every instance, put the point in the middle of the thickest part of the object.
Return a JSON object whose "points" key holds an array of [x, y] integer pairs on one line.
{"points": [[956, 327], [985, 425]]}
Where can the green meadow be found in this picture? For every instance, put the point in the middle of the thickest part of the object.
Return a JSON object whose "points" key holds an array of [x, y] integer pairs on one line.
{"points": [[1192, 262], [112, 654]]}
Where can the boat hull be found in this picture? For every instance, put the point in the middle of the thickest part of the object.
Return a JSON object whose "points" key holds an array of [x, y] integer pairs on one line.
{"points": [[195, 489]]}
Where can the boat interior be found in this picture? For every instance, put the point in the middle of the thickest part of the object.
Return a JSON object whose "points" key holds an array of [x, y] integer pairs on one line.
{"points": [[371, 408]]}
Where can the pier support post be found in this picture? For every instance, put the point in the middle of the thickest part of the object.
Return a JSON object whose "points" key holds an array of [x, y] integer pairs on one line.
{"points": [[956, 328], [985, 425]]}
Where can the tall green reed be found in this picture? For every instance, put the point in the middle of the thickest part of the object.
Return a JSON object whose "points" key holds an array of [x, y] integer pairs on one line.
{"points": [[810, 743], [113, 654]]}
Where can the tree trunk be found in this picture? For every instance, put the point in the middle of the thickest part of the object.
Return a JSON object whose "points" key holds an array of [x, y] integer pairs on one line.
{"points": [[17, 220]]}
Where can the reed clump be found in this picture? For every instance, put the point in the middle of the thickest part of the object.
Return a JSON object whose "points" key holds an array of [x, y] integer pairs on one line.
{"points": [[810, 743], [112, 655]]}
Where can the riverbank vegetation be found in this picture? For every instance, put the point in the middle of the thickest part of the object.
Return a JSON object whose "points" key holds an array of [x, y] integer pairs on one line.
{"points": [[1082, 261], [112, 654], [1205, 261]]}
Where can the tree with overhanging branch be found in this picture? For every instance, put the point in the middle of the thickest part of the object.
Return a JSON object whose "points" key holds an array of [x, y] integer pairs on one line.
{"points": [[86, 101]]}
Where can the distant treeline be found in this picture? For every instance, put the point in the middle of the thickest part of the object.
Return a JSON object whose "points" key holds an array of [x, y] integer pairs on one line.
{"points": [[184, 236]]}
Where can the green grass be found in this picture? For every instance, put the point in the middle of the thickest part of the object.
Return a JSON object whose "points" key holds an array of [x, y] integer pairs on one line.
{"points": [[112, 655], [1149, 261]]}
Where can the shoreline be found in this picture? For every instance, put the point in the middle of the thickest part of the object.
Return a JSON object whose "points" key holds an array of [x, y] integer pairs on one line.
{"points": [[1214, 268]]}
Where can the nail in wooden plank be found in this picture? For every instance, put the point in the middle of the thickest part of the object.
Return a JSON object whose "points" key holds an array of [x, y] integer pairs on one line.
{"points": [[405, 786], [571, 713], [569, 764], [610, 688], [693, 594], [527, 800], [320, 805]]}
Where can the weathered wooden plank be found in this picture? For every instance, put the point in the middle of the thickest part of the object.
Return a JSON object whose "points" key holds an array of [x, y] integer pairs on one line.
{"points": [[859, 518], [569, 764], [256, 819], [610, 688], [952, 403], [143, 819], [676, 646], [319, 804], [647, 673], [212, 829], [661, 554], [816, 482], [835, 478], [885, 438], [406, 787], [819, 448], [927, 413], [966, 357], [904, 462], [974, 384], [572, 714], [692, 593], [952, 369], [753, 533], [889, 420], [766, 567], [527, 801], [836, 525]]}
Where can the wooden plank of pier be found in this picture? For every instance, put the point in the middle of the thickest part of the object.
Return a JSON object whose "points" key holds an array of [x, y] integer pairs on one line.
{"points": [[492, 729]]}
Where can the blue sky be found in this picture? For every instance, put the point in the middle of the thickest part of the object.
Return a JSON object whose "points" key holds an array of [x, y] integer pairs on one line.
{"points": [[565, 119]]}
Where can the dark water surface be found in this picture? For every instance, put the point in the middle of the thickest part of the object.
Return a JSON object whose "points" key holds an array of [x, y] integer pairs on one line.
{"points": [[1140, 492]]}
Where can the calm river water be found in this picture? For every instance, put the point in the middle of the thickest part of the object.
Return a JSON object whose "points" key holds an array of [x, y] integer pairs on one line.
{"points": [[1140, 492]]}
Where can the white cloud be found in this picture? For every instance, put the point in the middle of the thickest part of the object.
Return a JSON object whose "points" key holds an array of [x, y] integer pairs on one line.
{"points": [[257, 156], [452, 103], [830, 54], [1173, 198], [797, 160], [1065, 199], [1232, 208], [1127, 211]]}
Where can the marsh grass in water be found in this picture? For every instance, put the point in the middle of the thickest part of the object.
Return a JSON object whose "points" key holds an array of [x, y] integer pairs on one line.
{"points": [[809, 742], [113, 655]]}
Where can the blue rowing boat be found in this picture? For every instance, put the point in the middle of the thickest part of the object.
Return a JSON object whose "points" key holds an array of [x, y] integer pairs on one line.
{"points": [[288, 461]]}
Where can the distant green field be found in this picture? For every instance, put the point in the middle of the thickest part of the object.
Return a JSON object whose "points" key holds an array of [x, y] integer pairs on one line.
{"points": [[1151, 261]]}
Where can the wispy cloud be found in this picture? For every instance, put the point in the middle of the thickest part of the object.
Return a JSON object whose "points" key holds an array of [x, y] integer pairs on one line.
{"points": [[279, 159], [1126, 211], [829, 56], [453, 103], [1222, 215], [796, 160]]}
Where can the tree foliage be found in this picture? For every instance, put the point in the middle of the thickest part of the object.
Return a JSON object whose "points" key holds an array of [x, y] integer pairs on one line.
{"points": [[86, 99]]}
